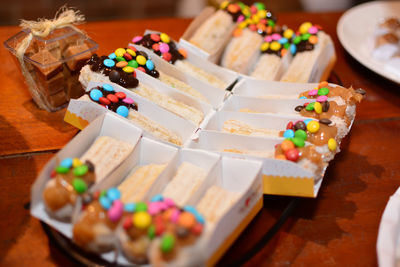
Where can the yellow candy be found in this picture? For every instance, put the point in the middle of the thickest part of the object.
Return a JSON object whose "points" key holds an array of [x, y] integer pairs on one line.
{"points": [[249, 21], [255, 18], [242, 25], [332, 144], [318, 107], [262, 14], [128, 69], [246, 12], [141, 220], [165, 38], [288, 33], [131, 52], [275, 46], [76, 162], [304, 27], [141, 60], [120, 52], [313, 126], [224, 4], [264, 47]]}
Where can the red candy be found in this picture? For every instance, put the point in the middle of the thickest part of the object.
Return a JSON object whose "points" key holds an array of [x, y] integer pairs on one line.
{"points": [[128, 57], [141, 69], [120, 95], [112, 98], [197, 229], [167, 56], [253, 27], [104, 106], [159, 228], [53, 174], [132, 48], [292, 154], [155, 47], [96, 195], [155, 37], [104, 101], [127, 223], [134, 74], [289, 125], [306, 104]]}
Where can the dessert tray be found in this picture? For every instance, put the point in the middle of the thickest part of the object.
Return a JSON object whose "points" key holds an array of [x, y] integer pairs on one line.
{"points": [[356, 28]]}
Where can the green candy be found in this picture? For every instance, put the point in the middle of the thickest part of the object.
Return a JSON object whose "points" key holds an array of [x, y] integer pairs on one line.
{"points": [[310, 107], [271, 23], [297, 40], [242, 6], [167, 243], [103, 193], [81, 170], [132, 63], [323, 91], [120, 59], [298, 142], [62, 169], [141, 206], [151, 232], [79, 185], [286, 45], [305, 36], [259, 6], [300, 134]]}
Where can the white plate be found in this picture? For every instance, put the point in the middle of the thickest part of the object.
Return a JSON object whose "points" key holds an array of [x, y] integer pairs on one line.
{"points": [[355, 30], [387, 246]]}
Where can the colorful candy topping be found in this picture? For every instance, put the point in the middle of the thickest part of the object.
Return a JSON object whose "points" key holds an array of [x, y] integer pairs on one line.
{"points": [[279, 44], [79, 175], [120, 66], [306, 36], [162, 45], [115, 101]]}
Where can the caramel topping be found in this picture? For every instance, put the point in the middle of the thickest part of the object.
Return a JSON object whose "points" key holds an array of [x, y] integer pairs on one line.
{"points": [[348, 94], [59, 195], [310, 153], [321, 137], [334, 110], [83, 230]]}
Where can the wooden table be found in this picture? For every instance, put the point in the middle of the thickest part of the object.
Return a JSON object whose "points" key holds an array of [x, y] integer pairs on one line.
{"points": [[339, 227]]}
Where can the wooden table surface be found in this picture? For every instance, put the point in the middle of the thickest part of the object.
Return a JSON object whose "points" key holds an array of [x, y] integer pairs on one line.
{"points": [[338, 228]]}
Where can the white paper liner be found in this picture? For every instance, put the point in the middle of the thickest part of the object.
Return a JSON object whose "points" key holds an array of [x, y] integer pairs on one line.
{"points": [[387, 246]]}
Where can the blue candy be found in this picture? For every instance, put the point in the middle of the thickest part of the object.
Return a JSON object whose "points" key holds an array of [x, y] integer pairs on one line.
{"points": [[108, 87], [113, 194], [109, 63], [157, 198], [293, 49], [150, 64], [288, 133], [123, 111], [105, 202], [129, 207], [283, 40], [67, 162], [112, 56], [196, 214], [199, 218], [303, 97], [95, 94], [306, 121]]}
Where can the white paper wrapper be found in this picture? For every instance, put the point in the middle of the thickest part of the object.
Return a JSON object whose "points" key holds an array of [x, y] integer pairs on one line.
{"points": [[388, 243], [104, 125]]}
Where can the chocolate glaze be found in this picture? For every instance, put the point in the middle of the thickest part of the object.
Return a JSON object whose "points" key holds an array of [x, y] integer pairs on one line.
{"points": [[173, 50]]}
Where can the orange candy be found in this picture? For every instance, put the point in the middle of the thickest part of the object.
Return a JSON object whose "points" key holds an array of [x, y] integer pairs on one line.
{"points": [[281, 157], [313, 39], [283, 52], [186, 219], [183, 52], [286, 145], [322, 84], [233, 8], [261, 26], [237, 32]]}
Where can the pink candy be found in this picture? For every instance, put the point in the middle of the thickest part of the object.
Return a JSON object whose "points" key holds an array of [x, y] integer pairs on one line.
{"points": [[164, 48], [137, 39], [170, 203], [115, 212], [154, 208], [313, 92], [276, 36], [240, 18], [128, 100], [175, 215], [313, 30], [322, 98], [268, 39]]}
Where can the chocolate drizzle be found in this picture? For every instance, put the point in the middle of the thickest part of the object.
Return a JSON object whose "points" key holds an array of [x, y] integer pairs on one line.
{"points": [[147, 42]]}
